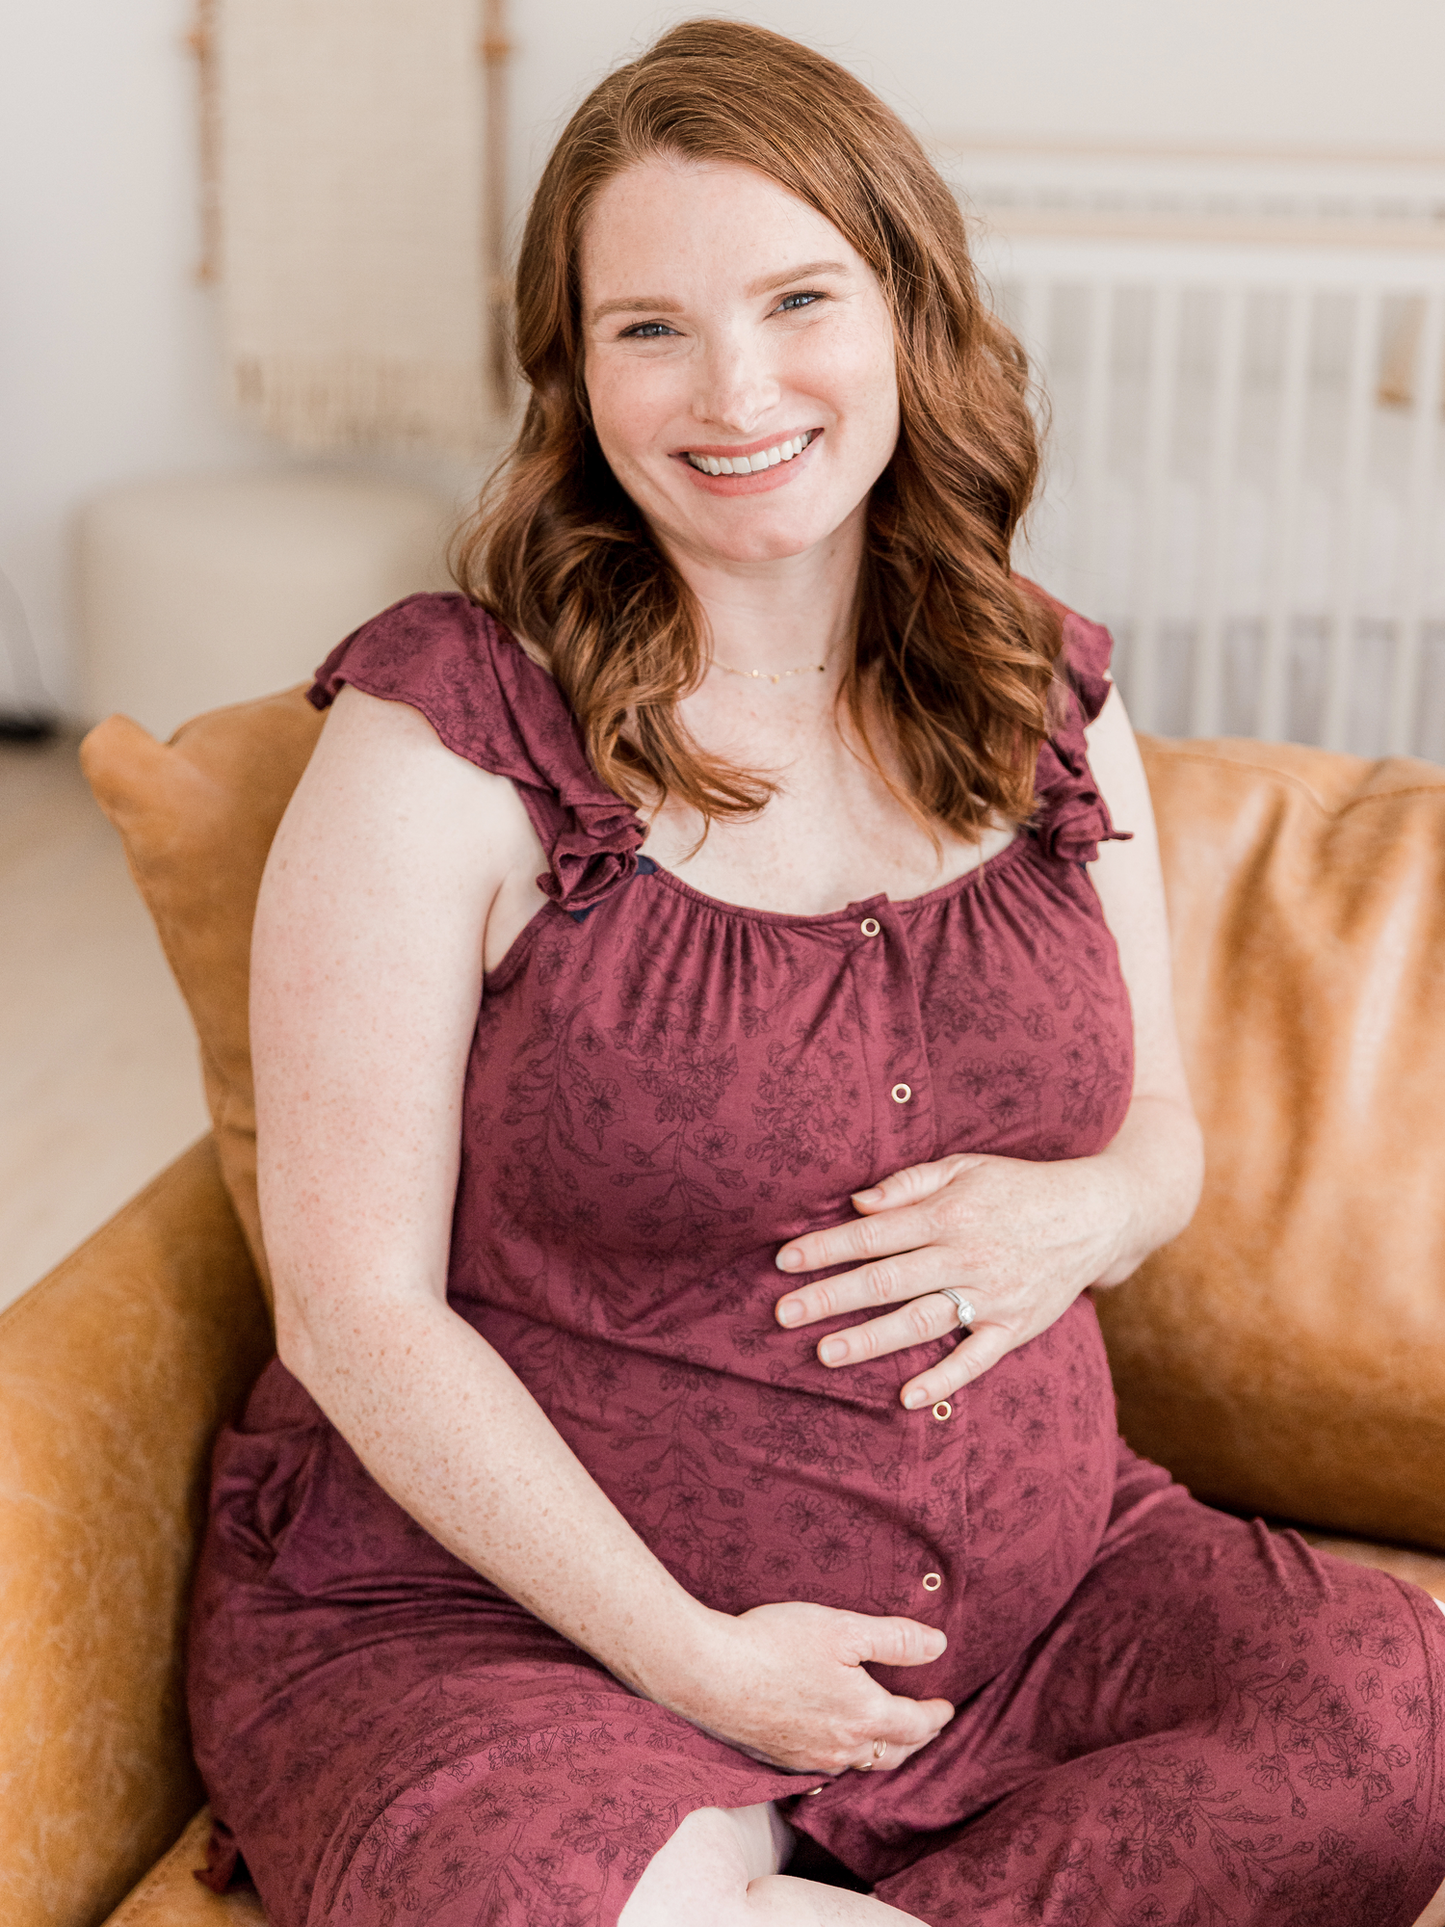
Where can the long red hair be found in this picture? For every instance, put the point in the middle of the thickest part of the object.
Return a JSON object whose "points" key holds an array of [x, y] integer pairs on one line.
{"points": [[954, 654]]}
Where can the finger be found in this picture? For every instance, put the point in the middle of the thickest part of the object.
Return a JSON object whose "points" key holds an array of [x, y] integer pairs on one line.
{"points": [[929, 1316], [903, 1723], [898, 1754], [891, 1642], [885, 1756], [913, 1184], [887, 1281], [880, 1236], [969, 1359]]}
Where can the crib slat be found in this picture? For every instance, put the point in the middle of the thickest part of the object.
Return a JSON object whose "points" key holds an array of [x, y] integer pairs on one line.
{"points": [[1206, 701], [1032, 310], [1359, 407], [1094, 440], [1429, 368], [1288, 490], [1161, 402]]}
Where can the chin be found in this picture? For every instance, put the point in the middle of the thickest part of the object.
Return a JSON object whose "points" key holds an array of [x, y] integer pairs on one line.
{"points": [[762, 536], [762, 546]]}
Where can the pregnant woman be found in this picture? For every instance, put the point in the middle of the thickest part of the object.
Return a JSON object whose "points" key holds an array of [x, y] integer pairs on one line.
{"points": [[709, 1034]]}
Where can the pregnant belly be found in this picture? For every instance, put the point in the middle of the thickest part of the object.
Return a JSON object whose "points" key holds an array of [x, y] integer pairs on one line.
{"points": [[981, 1520]]}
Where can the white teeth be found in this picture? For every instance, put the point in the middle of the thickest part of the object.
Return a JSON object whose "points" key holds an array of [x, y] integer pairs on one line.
{"points": [[752, 464]]}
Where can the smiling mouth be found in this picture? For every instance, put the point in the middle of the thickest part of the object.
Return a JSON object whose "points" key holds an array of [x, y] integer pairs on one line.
{"points": [[755, 463]]}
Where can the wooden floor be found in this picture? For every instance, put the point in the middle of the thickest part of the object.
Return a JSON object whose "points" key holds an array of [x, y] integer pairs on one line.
{"points": [[99, 1083]]}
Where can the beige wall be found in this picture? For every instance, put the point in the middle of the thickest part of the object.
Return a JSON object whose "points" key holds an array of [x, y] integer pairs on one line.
{"points": [[1252, 72], [107, 366]]}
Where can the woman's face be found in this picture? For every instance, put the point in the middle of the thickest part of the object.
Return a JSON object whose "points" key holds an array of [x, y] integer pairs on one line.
{"points": [[727, 322]]}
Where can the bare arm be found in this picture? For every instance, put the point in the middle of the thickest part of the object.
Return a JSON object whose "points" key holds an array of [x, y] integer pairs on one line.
{"points": [[393, 860], [1021, 1239], [1158, 1149]]}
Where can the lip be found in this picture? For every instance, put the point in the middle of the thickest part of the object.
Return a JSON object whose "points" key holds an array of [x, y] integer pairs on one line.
{"points": [[746, 448], [763, 480]]}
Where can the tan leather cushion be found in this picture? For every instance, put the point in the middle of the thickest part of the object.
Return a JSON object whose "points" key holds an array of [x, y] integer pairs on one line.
{"points": [[197, 816], [1287, 1353], [171, 1896], [1423, 1569], [115, 1372]]}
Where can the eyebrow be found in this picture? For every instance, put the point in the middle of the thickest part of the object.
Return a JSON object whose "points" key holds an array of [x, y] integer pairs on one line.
{"points": [[643, 304]]}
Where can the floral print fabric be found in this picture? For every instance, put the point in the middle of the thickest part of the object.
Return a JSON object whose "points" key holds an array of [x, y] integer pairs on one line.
{"points": [[661, 1090]]}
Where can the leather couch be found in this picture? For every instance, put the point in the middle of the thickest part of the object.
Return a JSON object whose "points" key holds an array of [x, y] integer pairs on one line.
{"points": [[1285, 1356]]}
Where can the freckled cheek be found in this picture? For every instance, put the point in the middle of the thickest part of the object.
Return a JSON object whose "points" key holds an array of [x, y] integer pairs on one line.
{"points": [[630, 413], [855, 378]]}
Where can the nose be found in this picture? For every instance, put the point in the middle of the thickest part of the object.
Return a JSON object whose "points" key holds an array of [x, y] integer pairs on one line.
{"points": [[736, 388]]}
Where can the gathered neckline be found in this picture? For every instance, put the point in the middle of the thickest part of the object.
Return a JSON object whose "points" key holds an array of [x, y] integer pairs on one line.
{"points": [[942, 892]]}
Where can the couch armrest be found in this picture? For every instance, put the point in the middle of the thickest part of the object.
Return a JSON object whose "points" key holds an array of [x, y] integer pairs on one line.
{"points": [[115, 1372]]}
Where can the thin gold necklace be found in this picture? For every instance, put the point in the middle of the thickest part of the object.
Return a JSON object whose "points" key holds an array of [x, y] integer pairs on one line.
{"points": [[763, 675]]}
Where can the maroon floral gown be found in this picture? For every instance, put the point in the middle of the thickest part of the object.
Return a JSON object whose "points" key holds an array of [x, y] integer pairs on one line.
{"points": [[1165, 1715]]}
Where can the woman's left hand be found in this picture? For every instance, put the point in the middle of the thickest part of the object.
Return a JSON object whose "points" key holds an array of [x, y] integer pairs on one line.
{"points": [[1017, 1240]]}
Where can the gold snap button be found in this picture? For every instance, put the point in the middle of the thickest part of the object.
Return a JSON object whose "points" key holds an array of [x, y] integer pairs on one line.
{"points": [[942, 1410], [932, 1581], [870, 926], [901, 1093]]}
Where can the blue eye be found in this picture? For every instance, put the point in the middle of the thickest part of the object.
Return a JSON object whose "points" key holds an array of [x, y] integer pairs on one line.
{"points": [[645, 331], [785, 306]]}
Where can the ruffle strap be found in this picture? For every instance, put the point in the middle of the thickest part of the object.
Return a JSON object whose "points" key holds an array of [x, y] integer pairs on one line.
{"points": [[594, 851], [490, 703], [1071, 819]]}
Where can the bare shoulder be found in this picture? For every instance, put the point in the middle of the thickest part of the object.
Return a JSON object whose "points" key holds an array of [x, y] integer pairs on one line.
{"points": [[1125, 874], [1118, 767], [393, 845], [386, 816], [1130, 887], [380, 766]]}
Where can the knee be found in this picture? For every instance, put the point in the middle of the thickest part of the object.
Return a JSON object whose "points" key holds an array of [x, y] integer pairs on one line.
{"points": [[703, 1872]]}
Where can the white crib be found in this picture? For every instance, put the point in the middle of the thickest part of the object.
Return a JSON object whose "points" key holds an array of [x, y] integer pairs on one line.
{"points": [[1242, 361]]}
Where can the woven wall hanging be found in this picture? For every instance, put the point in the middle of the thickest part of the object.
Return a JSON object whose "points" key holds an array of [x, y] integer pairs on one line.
{"points": [[354, 201]]}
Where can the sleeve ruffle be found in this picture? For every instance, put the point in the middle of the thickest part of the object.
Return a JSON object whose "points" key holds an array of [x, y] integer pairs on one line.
{"points": [[1071, 819], [488, 702]]}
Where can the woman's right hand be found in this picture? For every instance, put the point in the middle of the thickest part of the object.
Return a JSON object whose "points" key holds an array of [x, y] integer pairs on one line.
{"points": [[786, 1684]]}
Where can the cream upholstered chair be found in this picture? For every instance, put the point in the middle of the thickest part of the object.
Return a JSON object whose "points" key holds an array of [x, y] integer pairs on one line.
{"points": [[1286, 1355]]}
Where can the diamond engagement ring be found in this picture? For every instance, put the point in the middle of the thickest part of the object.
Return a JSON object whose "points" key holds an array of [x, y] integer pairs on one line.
{"points": [[966, 1312]]}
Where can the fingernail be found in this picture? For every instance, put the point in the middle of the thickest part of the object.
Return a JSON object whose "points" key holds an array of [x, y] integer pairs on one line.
{"points": [[790, 1312], [832, 1350], [912, 1400], [788, 1260], [870, 1196], [936, 1644]]}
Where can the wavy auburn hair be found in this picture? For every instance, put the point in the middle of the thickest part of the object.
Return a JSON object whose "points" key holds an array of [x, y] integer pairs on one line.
{"points": [[954, 655]]}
